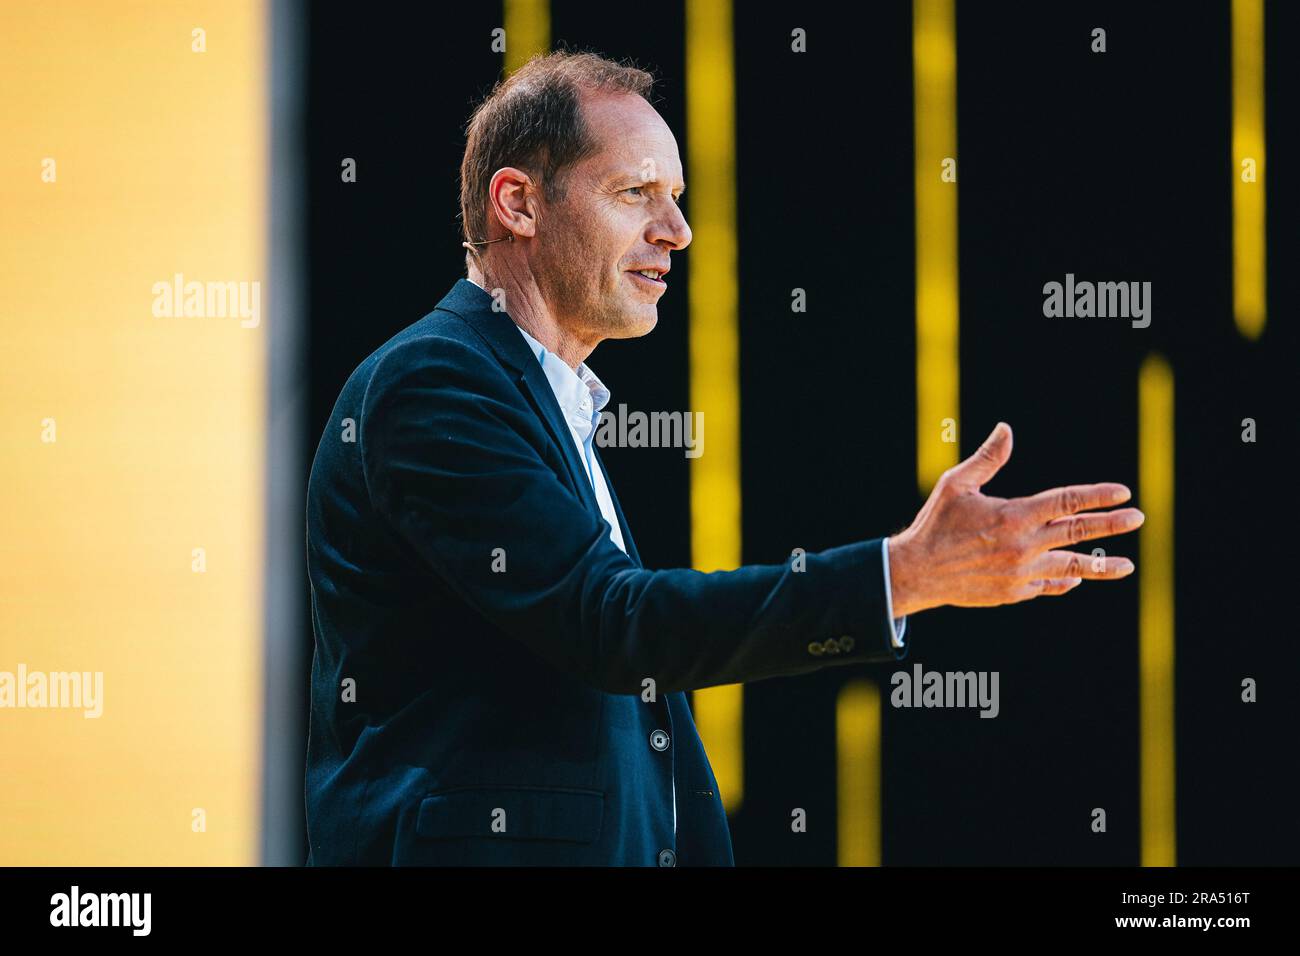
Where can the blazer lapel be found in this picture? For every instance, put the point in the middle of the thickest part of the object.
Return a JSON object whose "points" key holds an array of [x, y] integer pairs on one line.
{"points": [[622, 519], [474, 305], [543, 399]]}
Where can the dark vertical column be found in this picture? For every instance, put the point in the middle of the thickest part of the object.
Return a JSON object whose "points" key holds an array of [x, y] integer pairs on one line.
{"points": [[283, 752]]}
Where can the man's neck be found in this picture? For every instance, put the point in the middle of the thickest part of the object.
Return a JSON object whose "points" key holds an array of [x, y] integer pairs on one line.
{"points": [[525, 306]]}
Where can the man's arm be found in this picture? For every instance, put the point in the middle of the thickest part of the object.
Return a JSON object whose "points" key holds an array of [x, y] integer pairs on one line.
{"points": [[448, 463]]}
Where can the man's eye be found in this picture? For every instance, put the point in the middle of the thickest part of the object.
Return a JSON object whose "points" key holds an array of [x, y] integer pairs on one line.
{"points": [[634, 189]]}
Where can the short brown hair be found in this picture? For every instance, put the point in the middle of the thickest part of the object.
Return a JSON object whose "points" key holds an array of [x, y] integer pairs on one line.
{"points": [[533, 120]]}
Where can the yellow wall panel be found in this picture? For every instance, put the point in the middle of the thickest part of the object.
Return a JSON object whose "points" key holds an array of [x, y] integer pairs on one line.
{"points": [[715, 350], [159, 169]]}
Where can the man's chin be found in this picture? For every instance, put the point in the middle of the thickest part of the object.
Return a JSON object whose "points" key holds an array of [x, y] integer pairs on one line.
{"points": [[635, 324]]}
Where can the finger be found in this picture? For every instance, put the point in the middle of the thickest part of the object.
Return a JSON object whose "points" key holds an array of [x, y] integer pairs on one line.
{"points": [[1073, 564], [984, 464], [1046, 505], [1085, 527], [1050, 586]]}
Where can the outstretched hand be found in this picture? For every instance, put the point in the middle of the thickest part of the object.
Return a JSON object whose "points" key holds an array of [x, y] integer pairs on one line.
{"points": [[968, 549]]}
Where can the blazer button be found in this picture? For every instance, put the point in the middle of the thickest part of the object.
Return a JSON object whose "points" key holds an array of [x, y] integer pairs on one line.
{"points": [[846, 643], [816, 650], [832, 646], [659, 740], [667, 858]]}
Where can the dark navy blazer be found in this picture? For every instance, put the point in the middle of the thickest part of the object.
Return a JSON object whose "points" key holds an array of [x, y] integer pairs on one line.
{"points": [[494, 680]]}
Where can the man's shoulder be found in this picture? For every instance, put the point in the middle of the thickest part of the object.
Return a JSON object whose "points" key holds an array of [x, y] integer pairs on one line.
{"points": [[439, 333], [441, 344]]}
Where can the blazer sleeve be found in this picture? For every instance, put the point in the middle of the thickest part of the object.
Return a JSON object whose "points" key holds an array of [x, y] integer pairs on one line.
{"points": [[449, 452]]}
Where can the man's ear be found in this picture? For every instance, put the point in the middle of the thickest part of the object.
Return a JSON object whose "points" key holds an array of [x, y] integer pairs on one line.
{"points": [[513, 197]]}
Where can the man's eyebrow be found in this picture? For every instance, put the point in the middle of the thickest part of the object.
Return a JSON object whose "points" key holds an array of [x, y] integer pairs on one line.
{"points": [[634, 176]]}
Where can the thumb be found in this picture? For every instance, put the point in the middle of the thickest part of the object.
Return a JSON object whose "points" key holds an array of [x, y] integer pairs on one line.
{"points": [[988, 459]]}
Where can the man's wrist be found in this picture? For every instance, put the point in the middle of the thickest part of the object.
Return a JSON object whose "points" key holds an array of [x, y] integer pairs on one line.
{"points": [[904, 595]]}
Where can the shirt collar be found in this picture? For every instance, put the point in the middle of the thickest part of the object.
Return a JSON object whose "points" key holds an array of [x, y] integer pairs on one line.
{"points": [[581, 395]]}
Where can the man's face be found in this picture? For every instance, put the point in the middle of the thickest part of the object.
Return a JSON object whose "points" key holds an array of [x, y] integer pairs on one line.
{"points": [[619, 213]]}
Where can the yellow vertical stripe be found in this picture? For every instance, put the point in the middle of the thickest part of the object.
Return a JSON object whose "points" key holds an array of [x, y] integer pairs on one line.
{"points": [[528, 31], [857, 745], [934, 65], [714, 346], [158, 420], [1156, 611], [1249, 260]]}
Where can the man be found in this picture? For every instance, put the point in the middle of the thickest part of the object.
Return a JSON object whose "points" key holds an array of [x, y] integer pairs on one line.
{"points": [[497, 679]]}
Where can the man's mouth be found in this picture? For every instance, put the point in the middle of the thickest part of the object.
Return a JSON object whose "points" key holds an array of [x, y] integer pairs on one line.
{"points": [[650, 278]]}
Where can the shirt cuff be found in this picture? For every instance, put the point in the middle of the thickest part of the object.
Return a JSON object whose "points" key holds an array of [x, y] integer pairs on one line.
{"points": [[899, 623]]}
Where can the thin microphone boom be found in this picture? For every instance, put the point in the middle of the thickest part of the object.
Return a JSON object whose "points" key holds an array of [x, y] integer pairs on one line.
{"points": [[487, 242]]}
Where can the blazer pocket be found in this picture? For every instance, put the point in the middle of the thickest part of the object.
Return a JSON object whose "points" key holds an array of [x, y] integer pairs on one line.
{"points": [[512, 813]]}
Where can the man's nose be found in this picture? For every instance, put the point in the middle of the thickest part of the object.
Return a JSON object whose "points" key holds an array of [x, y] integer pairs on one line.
{"points": [[671, 230]]}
